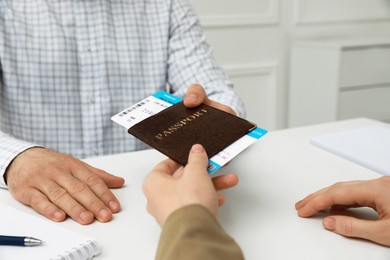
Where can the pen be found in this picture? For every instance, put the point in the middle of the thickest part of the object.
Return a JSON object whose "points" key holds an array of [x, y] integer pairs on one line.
{"points": [[19, 241]]}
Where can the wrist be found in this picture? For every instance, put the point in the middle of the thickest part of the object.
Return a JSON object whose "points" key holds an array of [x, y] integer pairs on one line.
{"points": [[186, 210], [16, 161]]}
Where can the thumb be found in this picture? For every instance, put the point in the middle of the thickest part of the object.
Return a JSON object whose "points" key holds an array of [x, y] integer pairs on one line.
{"points": [[195, 96], [197, 159], [353, 227]]}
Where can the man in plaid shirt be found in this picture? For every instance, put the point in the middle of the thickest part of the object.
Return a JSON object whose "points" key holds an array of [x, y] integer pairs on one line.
{"points": [[66, 68]]}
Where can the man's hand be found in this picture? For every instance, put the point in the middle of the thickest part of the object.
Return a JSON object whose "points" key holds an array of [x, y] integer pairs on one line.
{"points": [[170, 186], [57, 185], [373, 193], [196, 95]]}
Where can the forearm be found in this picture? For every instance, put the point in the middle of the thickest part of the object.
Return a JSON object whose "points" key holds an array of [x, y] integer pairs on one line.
{"points": [[191, 60], [193, 232]]}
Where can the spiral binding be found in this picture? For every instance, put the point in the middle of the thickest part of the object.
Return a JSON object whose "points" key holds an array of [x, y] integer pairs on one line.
{"points": [[83, 252]]}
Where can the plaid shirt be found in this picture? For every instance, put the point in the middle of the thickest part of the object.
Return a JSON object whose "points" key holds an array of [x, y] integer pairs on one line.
{"points": [[68, 66]]}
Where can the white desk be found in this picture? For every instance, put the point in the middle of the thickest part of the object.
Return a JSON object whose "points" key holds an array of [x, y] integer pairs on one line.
{"points": [[275, 172]]}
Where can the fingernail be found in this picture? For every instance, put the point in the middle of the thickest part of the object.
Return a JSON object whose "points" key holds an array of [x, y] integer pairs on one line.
{"points": [[197, 148], [191, 96], [114, 206], [85, 216], [329, 223], [58, 215], [104, 214], [298, 205]]}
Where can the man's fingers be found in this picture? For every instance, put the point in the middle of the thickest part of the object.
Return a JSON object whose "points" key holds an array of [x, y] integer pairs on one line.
{"points": [[220, 106], [63, 200], [315, 205], [196, 95], [348, 194], [41, 204], [73, 209], [77, 200], [300, 204], [224, 182], [53, 201], [91, 192], [377, 231], [99, 188], [111, 181], [60, 183], [221, 200], [167, 166]]}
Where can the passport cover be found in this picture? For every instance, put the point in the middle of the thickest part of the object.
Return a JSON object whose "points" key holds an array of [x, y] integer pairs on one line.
{"points": [[174, 130]]}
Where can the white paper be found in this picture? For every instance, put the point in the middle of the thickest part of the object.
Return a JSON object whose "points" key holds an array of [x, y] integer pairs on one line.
{"points": [[59, 243], [367, 146]]}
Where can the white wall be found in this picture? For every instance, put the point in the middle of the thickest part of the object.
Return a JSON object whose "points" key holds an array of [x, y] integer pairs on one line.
{"points": [[252, 41]]}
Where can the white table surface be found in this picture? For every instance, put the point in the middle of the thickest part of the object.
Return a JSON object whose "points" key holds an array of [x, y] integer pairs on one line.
{"points": [[275, 172]]}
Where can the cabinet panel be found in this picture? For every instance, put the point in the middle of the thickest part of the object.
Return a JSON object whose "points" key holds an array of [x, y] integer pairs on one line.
{"points": [[314, 87], [222, 8], [373, 103], [312, 11], [339, 79], [257, 90], [365, 66]]}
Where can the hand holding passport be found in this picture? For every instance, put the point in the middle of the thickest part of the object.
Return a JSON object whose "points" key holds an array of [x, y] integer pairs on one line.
{"points": [[175, 128]]}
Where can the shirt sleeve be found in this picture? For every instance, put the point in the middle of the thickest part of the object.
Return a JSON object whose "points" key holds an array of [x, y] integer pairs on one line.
{"points": [[191, 60], [9, 149], [192, 232]]}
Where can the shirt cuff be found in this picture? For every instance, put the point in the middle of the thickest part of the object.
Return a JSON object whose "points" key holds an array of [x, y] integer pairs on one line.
{"points": [[9, 149]]}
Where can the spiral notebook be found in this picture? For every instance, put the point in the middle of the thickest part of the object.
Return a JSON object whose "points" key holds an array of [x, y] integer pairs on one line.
{"points": [[59, 243]]}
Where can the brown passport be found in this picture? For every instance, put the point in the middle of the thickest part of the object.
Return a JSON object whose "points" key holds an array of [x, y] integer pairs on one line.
{"points": [[174, 130]]}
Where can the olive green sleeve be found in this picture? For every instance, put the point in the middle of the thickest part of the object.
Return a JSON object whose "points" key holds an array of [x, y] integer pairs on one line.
{"points": [[192, 232]]}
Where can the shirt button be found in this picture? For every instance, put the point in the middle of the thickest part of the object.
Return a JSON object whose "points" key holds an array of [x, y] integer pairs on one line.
{"points": [[92, 100], [96, 151]]}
